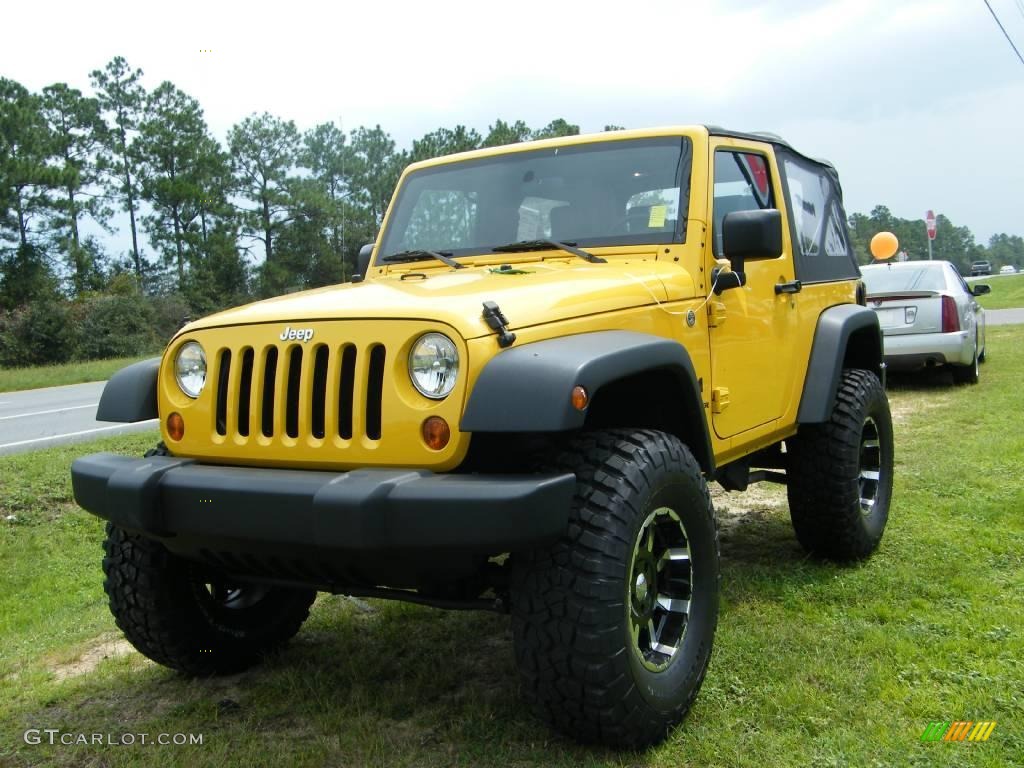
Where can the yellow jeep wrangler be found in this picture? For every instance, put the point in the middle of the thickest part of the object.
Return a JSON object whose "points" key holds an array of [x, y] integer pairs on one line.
{"points": [[553, 349]]}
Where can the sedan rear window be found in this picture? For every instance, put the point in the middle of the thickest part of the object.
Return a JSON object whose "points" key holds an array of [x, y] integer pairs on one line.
{"points": [[896, 279]]}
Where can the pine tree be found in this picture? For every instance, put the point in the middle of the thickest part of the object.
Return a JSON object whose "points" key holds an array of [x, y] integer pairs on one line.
{"points": [[78, 133], [172, 141], [122, 97], [263, 150]]}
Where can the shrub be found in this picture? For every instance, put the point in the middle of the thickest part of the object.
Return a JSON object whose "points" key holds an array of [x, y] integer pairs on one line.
{"points": [[168, 313], [38, 333], [114, 326]]}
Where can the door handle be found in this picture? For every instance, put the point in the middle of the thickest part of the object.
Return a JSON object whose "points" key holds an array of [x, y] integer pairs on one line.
{"points": [[793, 286]]}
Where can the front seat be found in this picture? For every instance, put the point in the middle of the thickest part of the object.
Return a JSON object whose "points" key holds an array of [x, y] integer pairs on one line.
{"points": [[566, 223]]}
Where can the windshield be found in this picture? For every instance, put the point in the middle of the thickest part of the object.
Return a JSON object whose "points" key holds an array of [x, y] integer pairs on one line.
{"points": [[926, 277], [607, 193]]}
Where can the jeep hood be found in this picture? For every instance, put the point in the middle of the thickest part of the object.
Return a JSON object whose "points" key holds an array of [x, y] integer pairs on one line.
{"points": [[537, 292]]}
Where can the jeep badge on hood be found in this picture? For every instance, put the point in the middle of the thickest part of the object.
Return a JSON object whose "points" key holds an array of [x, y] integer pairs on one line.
{"points": [[291, 334]]}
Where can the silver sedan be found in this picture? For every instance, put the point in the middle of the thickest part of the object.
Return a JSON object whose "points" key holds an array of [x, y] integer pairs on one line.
{"points": [[929, 316]]}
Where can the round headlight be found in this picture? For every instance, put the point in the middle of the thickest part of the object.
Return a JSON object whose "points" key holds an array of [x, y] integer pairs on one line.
{"points": [[190, 369], [434, 365]]}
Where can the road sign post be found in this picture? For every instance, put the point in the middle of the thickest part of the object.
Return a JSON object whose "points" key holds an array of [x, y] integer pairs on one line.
{"points": [[929, 223]]}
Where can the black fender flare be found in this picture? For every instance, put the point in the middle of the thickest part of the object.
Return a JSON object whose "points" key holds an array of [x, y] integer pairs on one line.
{"points": [[527, 388], [831, 350], [130, 395]]}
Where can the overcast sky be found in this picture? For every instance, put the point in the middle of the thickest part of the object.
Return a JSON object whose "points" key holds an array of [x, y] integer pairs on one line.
{"points": [[919, 104]]}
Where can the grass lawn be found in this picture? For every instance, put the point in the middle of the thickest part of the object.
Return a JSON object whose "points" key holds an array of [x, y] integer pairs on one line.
{"points": [[15, 379], [1007, 292], [814, 664]]}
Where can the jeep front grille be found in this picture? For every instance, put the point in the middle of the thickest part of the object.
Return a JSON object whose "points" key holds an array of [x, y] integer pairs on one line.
{"points": [[287, 389], [339, 400]]}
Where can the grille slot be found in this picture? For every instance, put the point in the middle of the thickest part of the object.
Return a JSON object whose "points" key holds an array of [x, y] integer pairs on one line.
{"points": [[346, 391], [374, 391], [319, 401], [223, 372], [269, 378], [245, 392], [291, 419]]}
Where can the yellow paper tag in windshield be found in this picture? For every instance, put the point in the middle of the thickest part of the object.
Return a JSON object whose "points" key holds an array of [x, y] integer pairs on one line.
{"points": [[657, 217]]}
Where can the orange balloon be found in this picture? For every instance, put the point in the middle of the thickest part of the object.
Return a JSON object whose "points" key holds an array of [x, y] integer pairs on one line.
{"points": [[884, 246]]}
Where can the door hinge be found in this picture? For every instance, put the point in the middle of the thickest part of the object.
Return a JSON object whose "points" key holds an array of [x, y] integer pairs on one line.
{"points": [[719, 399], [716, 313]]}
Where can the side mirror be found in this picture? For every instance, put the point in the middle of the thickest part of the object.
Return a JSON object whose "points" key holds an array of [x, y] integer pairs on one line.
{"points": [[723, 281], [981, 290], [363, 263], [751, 235]]}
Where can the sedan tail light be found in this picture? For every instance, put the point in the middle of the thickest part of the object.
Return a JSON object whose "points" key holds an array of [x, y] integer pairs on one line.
{"points": [[950, 317]]}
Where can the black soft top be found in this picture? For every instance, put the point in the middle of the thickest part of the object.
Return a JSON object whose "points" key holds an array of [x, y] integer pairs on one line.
{"points": [[778, 141]]}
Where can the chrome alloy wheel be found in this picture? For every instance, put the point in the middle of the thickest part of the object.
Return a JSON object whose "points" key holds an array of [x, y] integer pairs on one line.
{"points": [[869, 466], [659, 589]]}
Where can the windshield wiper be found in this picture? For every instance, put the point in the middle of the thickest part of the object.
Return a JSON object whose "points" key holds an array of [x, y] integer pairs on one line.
{"points": [[549, 245], [420, 255]]}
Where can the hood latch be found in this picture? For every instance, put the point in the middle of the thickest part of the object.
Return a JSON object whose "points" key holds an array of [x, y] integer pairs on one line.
{"points": [[498, 323]]}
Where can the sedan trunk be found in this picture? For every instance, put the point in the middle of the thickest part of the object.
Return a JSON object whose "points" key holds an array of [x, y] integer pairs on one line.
{"points": [[908, 312]]}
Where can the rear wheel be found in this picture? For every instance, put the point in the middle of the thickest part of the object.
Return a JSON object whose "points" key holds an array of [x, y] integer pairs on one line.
{"points": [[968, 374], [189, 618], [840, 472], [613, 625]]}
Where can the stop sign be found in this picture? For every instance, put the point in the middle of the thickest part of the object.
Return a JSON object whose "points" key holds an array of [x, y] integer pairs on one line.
{"points": [[929, 220]]}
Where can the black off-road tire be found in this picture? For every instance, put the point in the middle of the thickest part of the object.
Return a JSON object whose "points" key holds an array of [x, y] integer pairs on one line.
{"points": [[838, 510], [185, 617], [575, 604]]}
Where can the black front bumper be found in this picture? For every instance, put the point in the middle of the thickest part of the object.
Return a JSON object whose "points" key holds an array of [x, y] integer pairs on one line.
{"points": [[322, 527]]}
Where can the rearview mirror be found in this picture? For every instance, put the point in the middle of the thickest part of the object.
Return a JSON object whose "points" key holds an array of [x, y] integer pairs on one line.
{"points": [[751, 235], [981, 290], [363, 263]]}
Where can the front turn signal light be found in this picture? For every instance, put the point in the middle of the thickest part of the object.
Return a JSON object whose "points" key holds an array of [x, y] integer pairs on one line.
{"points": [[436, 433], [579, 398], [175, 426]]}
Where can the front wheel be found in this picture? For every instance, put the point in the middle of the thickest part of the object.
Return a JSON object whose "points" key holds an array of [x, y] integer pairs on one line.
{"points": [[840, 472], [613, 625], [188, 618]]}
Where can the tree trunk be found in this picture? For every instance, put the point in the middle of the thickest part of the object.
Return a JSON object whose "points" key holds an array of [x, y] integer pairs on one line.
{"points": [[73, 219], [129, 193], [22, 224], [178, 249], [267, 229], [131, 217], [74, 246], [72, 205]]}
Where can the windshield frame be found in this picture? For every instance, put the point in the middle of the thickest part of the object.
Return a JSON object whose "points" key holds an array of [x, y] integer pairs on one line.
{"points": [[682, 144]]}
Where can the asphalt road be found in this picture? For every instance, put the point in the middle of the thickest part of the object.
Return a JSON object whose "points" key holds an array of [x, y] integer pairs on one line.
{"points": [[40, 418], [1004, 316]]}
